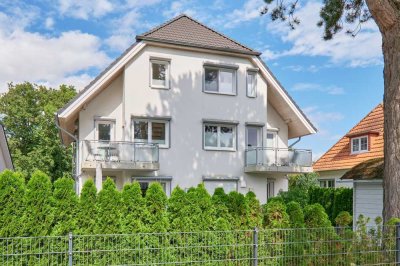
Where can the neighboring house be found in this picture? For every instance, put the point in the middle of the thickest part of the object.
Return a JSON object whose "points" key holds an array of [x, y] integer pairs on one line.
{"points": [[368, 189], [5, 157], [184, 105], [363, 142]]}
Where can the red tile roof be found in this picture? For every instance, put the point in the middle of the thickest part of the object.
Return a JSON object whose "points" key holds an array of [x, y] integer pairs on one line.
{"points": [[339, 155]]}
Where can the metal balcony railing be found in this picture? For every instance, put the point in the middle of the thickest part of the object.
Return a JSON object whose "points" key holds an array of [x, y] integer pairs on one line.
{"points": [[119, 151], [278, 157]]}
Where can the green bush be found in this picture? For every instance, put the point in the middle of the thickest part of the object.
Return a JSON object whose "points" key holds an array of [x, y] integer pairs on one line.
{"points": [[255, 210], [238, 209], [296, 215], [132, 209], [315, 216], [12, 192], [179, 211], [87, 210], [156, 218], [275, 215], [343, 201], [343, 219]]}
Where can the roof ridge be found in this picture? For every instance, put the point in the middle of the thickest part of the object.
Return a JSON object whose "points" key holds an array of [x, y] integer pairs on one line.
{"points": [[344, 136], [199, 23]]}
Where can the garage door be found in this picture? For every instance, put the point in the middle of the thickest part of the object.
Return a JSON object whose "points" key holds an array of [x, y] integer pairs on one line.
{"points": [[368, 200]]}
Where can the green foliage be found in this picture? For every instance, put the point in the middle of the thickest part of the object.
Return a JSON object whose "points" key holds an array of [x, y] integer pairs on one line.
{"points": [[180, 211], [108, 209], [343, 219], [32, 135], [39, 212], [238, 209], [87, 213], [303, 181], [156, 219], [255, 210], [275, 215], [296, 215], [133, 209], [12, 192], [221, 200], [393, 221], [66, 203], [315, 216], [203, 211], [343, 201], [295, 194]]}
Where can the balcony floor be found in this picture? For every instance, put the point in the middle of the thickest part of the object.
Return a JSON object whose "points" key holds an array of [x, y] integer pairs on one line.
{"points": [[295, 169], [144, 166]]}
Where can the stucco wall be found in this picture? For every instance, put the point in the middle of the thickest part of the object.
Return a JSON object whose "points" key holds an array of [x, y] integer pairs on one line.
{"points": [[336, 175], [187, 105]]}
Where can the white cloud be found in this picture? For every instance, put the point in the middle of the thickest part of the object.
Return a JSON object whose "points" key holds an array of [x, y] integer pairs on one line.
{"points": [[33, 57], [250, 10], [306, 39], [319, 117], [178, 7], [331, 89], [49, 23], [85, 9]]}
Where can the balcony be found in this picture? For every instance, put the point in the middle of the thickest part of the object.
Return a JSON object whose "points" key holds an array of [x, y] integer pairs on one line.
{"points": [[268, 160], [120, 155]]}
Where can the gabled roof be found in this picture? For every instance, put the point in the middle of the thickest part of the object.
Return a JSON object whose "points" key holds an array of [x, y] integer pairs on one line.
{"points": [[339, 155], [184, 30], [371, 169]]}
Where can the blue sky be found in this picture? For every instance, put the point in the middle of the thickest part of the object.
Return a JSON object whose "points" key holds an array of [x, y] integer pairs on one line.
{"points": [[336, 83]]}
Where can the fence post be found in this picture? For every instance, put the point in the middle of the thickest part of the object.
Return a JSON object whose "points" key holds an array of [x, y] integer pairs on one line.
{"points": [[397, 243], [255, 246], [70, 250]]}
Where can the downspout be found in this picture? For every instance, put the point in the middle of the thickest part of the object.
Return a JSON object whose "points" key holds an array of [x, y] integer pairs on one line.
{"points": [[294, 143], [60, 129]]}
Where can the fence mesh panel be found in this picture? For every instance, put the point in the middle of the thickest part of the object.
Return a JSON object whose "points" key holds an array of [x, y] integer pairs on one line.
{"points": [[300, 246]]}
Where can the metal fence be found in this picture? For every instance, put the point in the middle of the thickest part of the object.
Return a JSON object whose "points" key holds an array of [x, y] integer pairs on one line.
{"points": [[318, 246]]}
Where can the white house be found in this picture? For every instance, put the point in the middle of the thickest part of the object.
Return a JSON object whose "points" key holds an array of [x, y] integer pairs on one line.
{"points": [[5, 157], [184, 105]]}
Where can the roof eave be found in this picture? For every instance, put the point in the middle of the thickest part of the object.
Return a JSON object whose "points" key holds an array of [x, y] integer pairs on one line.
{"points": [[145, 38]]}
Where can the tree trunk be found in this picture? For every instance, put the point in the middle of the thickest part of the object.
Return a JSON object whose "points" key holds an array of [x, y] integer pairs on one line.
{"points": [[386, 14]]}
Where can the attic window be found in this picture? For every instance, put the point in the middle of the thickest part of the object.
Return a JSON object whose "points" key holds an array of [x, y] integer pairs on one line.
{"points": [[359, 144], [159, 72]]}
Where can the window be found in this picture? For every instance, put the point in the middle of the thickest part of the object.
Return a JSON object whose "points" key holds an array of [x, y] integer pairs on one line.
{"points": [[251, 84], [270, 189], [104, 130], [151, 131], [159, 74], [219, 80], [271, 139], [219, 137], [327, 183], [359, 144], [253, 136], [146, 182], [227, 185]]}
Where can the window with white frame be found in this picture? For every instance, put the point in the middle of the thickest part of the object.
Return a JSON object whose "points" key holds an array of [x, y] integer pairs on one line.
{"points": [[359, 144], [159, 73], [219, 136], [220, 80], [327, 183], [271, 139], [251, 84], [145, 184], [253, 136], [227, 185], [151, 131], [105, 130]]}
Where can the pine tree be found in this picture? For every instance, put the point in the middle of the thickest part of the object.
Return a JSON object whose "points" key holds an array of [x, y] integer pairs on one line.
{"points": [[39, 212], [133, 209], [12, 192], [255, 210], [156, 204], [87, 211], [66, 203], [109, 209]]}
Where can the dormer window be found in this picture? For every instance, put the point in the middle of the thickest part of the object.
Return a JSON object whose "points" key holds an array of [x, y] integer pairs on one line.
{"points": [[359, 144]]}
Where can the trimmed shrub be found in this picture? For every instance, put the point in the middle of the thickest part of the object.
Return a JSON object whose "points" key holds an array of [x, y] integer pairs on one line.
{"points": [[65, 202], [220, 201], [203, 212], [315, 216], [343, 219], [12, 192], [87, 213], [275, 215], [109, 209], [156, 219], [179, 211], [296, 215], [255, 210], [343, 201], [39, 212], [238, 209], [133, 209]]}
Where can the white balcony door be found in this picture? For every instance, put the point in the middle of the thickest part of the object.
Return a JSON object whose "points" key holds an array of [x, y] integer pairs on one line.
{"points": [[271, 145]]}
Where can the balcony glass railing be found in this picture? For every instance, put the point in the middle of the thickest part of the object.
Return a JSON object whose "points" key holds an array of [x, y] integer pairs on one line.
{"points": [[119, 151], [278, 157]]}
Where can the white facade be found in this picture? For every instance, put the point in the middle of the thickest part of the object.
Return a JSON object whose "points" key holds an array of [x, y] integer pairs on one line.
{"points": [[367, 200], [332, 179], [180, 112]]}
